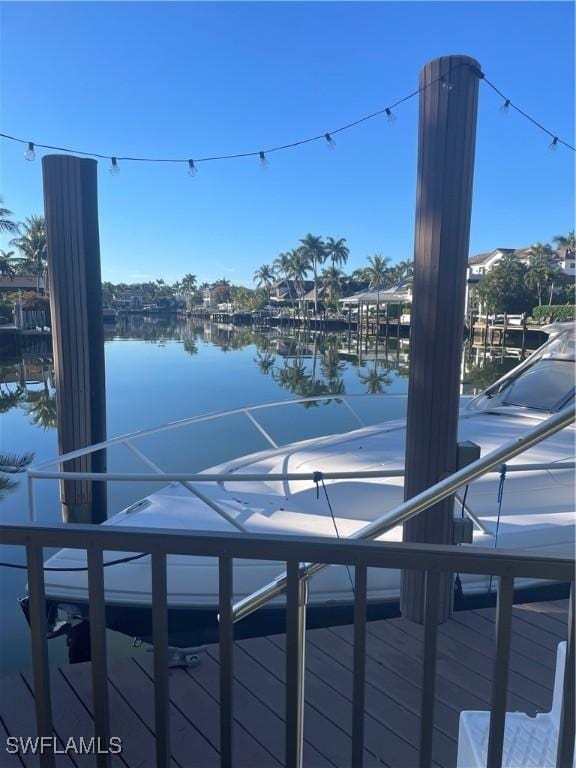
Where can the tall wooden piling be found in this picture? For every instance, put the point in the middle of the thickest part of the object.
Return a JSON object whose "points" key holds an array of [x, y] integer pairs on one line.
{"points": [[447, 130], [71, 210]]}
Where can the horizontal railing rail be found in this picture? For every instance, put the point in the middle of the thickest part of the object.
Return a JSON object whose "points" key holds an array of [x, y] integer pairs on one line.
{"points": [[433, 560], [178, 424], [240, 477]]}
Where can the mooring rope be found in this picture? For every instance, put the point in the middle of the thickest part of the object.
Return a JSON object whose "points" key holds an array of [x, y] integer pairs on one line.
{"points": [[318, 478]]}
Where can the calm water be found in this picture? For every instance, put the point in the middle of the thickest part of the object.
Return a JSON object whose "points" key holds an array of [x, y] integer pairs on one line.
{"points": [[161, 370]]}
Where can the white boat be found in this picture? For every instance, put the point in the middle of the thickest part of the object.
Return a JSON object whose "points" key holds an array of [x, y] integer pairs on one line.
{"points": [[536, 511]]}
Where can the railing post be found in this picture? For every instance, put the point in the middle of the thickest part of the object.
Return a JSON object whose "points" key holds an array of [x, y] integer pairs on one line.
{"points": [[297, 601], [40, 668], [565, 755], [447, 131], [501, 669]]}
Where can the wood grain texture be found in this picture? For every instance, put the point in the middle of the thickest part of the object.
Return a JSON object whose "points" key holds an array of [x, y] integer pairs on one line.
{"points": [[447, 131], [74, 279], [394, 653]]}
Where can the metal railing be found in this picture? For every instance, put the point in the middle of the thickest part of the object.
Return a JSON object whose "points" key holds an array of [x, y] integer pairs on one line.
{"points": [[433, 560], [187, 480], [422, 501], [318, 553], [38, 471]]}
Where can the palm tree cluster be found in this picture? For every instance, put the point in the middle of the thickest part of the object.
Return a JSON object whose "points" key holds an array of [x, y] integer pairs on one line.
{"points": [[515, 286], [294, 266], [31, 255]]}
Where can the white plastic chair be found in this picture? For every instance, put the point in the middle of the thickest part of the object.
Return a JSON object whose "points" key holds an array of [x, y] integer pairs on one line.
{"points": [[529, 742]]}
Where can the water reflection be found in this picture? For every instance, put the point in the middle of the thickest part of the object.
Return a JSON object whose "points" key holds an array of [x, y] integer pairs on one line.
{"points": [[164, 369], [302, 362], [29, 384]]}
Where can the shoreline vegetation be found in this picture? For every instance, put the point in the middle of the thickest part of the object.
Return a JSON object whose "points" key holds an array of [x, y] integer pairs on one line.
{"points": [[312, 272]]}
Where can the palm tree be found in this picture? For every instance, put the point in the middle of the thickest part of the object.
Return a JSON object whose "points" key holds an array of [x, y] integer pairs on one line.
{"points": [[189, 283], [314, 251], [332, 281], [33, 246], [541, 270], [11, 464], [565, 241], [374, 381], [7, 264], [264, 278], [299, 268], [282, 267], [337, 251], [6, 223], [377, 272], [41, 407], [265, 361]]}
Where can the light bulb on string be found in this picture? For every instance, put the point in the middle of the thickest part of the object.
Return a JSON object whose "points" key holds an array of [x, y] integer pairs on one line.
{"points": [[505, 108], [192, 170], [263, 161], [30, 154], [390, 116], [553, 144], [446, 84], [330, 141], [114, 167]]}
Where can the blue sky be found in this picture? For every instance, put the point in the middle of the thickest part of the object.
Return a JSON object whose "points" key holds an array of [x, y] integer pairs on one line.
{"points": [[196, 79]]}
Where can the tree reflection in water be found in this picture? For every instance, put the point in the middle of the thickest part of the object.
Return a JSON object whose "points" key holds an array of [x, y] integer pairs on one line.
{"points": [[305, 363]]}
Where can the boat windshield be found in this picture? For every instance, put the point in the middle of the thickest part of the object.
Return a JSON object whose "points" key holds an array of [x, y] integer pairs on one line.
{"points": [[545, 383]]}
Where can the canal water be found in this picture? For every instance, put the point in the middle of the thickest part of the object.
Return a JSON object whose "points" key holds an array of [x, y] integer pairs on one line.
{"points": [[162, 370]]}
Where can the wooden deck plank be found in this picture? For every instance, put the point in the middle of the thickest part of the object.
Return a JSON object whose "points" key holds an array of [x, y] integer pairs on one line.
{"points": [[253, 714], [385, 723], [530, 692], [456, 631], [384, 678], [464, 672], [550, 617], [137, 689], [71, 718], [8, 759], [200, 708], [18, 715], [336, 707], [319, 734], [138, 743], [393, 678], [531, 640]]}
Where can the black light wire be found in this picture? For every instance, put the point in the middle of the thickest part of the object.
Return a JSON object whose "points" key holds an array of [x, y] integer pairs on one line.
{"points": [[510, 104], [104, 565], [320, 137]]}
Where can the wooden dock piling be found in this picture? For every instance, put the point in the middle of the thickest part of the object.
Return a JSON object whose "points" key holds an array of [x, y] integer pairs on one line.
{"points": [[71, 210], [447, 130]]}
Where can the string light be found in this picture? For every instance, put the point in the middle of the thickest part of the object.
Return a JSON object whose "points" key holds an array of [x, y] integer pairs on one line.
{"points": [[330, 141], [325, 136], [554, 144], [509, 104]]}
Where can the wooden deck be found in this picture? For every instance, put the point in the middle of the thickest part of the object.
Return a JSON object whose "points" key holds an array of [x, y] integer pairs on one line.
{"points": [[393, 669]]}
